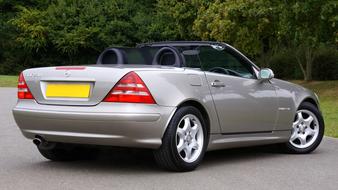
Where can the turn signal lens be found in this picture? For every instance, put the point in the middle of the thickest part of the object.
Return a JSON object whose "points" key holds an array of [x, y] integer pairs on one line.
{"points": [[130, 89], [23, 90]]}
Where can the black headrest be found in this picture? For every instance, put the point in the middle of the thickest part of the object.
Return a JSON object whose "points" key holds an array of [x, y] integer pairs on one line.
{"points": [[112, 56], [167, 56]]}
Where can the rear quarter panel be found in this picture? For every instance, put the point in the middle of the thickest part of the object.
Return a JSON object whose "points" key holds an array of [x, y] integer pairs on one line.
{"points": [[172, 88]]}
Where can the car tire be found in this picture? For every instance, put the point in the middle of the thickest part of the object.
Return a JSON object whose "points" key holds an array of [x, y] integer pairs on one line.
{"points": [[62, 152], [301, 142], [184, 142]]}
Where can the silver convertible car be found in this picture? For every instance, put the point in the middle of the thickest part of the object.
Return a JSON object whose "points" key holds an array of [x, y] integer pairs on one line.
{"points": [[180, 99]]}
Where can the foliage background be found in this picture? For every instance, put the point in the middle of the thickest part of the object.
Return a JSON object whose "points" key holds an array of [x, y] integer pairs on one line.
{"points": [[297, 39]]}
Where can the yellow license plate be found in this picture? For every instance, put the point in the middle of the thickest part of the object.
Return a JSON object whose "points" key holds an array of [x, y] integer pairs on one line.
{"points": [[67, 90]]}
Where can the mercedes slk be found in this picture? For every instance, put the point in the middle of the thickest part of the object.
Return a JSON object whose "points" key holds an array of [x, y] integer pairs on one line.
{"points": [[180, 99]]}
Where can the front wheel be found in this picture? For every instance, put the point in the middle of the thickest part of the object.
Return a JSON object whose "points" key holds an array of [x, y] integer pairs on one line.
{"points": [[184, 142], [307, 130]]}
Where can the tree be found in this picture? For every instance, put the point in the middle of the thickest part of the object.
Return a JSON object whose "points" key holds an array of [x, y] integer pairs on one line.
{"points": [[248, 25], [59, 32], [79, 28], [174, 19], [258, 27], [305, 26], [12, 58]]}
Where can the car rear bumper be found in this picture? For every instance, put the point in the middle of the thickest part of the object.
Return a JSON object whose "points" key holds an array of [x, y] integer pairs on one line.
{"points": [[115, 124]]}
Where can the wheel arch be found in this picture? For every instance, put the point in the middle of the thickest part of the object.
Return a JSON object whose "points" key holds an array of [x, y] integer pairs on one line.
{"points": [[309, 100], [201, 108], [196, 104], [313, 107]]}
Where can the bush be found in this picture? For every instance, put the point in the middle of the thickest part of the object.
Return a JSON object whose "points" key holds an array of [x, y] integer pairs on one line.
{"points": [[284, 65], [325, 64]]}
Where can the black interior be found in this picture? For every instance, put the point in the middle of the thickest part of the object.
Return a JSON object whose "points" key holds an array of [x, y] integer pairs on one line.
{"points": [[112, 56], [168, 56], [109, 57]]}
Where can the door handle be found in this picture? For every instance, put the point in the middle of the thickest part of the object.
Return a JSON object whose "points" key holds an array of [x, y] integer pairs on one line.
{"points": [[217, 83]]}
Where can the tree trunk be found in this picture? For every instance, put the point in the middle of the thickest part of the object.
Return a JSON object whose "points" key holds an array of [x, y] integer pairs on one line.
{"points": [[309, 54], [299, 61], [308, 71], [309, 57]]}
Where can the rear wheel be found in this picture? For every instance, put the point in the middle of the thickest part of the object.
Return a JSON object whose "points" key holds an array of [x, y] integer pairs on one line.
{"points": [[307, 130], [184, 142]]}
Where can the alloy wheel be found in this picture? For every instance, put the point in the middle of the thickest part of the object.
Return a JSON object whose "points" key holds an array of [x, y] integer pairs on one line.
{"points": [[305, 129], [189, 138]]}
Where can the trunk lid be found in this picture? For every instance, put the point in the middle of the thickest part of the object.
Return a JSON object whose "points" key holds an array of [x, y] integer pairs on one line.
{"points": [[77, 85]]}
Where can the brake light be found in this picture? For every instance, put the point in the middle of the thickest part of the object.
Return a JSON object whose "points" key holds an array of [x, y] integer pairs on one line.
{"points": [[23, 90], [130, 89]]}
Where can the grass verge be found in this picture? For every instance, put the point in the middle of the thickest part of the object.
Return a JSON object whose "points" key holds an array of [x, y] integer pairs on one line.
{"points": [[328, 97], [8, 81]]}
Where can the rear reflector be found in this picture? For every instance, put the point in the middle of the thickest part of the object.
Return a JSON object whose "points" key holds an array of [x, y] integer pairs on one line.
{"points": [[23, 90], [130, 89]]}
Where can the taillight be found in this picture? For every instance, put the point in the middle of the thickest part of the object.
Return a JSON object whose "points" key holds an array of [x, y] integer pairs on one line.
{"points": [[23, 90], [130, 89]]}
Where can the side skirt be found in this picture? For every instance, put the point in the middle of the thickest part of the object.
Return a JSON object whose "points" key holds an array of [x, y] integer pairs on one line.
{"points": [[233, 140]]}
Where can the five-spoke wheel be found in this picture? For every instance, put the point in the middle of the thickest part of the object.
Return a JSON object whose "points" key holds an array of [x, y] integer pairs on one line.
{"points": [[184, 142], [307, 129], [189, 138]]}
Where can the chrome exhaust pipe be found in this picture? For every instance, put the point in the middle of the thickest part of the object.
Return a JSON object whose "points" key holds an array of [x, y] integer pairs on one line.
{"points": [[41, 143], [38, 141]]}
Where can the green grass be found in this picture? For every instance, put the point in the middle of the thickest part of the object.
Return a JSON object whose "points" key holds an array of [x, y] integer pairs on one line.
{"points": [[8, 81], [328, 97], [326, 90]]}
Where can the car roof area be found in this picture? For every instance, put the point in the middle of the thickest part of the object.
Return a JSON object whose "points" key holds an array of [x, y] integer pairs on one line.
{"points": [[179, 43]]}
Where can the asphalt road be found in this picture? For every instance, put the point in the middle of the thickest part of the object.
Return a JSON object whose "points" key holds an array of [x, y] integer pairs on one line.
{"points": [[21, 166]]}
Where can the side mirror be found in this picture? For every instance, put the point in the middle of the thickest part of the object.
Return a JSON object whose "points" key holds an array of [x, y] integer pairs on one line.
{"points": [[265, 74]]}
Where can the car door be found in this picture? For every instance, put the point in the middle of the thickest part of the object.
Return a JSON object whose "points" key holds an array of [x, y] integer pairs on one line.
{"points": [[244, 104]]}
